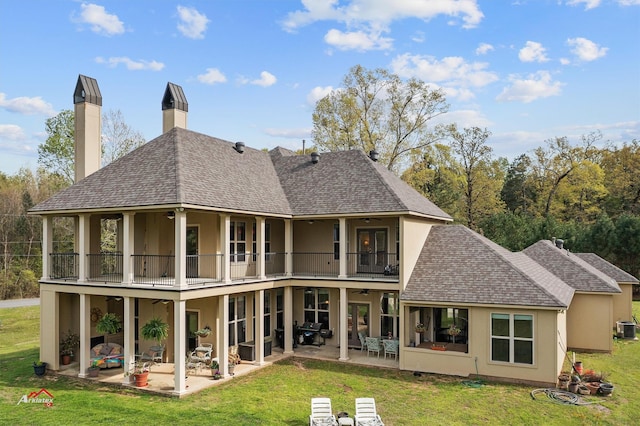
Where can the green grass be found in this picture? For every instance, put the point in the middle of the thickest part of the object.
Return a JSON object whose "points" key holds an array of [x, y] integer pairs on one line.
{"points": [[280, 394]]}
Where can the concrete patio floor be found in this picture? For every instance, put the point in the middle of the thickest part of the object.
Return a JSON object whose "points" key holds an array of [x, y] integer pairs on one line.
{"points": [[161, 380]]}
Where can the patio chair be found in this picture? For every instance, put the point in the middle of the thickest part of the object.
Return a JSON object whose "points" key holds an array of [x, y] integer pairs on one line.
{"points": [[373, 345], [153, 354], [203, 353], [390, 347], [321, 414], [363, 343], [366, 413]]}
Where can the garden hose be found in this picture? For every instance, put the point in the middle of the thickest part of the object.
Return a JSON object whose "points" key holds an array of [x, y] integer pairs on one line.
{"points": [[561, 397]]}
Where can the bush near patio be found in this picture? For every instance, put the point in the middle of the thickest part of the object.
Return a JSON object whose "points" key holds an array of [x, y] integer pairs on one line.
{"points": [[281, 393]]}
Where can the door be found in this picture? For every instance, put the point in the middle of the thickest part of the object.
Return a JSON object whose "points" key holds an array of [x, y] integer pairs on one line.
{"points": [[372, 250], [358, 314], [192, 252], [192, 326]]}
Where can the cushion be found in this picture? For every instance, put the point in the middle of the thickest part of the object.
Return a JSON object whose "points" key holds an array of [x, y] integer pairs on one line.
{"points": [[96, 349], [115, 350], [151, 352], [106, 350]]}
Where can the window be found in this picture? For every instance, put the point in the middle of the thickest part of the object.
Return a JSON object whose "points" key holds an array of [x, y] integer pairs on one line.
{"points": [[336, 241], [280, 308], [316, 306], [389, 314], [512, 338], [237, 320], [238, 245], [267, 242], [267, 313]]}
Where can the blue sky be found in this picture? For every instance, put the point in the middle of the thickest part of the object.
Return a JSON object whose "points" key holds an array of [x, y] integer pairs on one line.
{"points": [[252, 70]]}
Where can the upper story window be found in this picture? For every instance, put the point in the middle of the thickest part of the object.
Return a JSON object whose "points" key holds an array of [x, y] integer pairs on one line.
{"points": [[267, 241], [238, 244], [512, 338], [336, 241]]}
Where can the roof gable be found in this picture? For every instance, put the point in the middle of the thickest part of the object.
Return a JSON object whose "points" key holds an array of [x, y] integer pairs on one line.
{"points": [[457, 265], [570, 268], [607, 268]]}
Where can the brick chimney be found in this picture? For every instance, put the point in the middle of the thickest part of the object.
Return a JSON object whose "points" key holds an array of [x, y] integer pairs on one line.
{"points": [[174, 108], [87, 102]]}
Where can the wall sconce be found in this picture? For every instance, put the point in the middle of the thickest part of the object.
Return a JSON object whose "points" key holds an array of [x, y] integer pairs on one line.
{"points": [[171, 215]]}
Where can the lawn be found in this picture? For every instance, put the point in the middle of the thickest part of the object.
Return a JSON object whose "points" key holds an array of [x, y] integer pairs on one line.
{"points": [[280, 394]]}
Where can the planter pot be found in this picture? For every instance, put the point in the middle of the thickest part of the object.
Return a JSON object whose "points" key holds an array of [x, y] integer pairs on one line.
{"points": [[141, 379], [232, 368], [578, 367], [40, 369], [573, 387], [583, 390], [606, 389], [66, 359], [593, 387], [93, 371], [563, 381]]}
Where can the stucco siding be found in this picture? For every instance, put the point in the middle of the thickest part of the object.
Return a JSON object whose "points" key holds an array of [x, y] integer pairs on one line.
{"points": [[589, 322]]}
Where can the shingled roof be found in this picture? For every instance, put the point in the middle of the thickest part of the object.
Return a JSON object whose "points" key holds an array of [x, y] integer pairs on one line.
{"points": [[571, 269], [182, 167], [458, 265], [611, 270]]}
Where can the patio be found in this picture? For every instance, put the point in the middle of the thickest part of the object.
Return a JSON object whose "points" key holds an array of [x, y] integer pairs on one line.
{"points": [[161, 379]]}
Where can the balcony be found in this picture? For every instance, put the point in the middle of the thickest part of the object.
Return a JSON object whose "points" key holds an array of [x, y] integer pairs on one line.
{"points": [[207, 269]]}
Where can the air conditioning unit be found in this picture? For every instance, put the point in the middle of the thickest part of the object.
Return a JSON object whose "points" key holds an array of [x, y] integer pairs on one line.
{"points": [[626, 329]]}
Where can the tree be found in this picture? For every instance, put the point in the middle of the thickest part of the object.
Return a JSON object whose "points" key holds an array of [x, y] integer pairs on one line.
{"points": [[56, 154], [480, 195], [622, 168], [376, 110], [517, 192], [118, 138]]}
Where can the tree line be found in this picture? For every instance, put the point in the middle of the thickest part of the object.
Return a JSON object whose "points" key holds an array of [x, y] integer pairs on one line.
{"points": [[585, 192]]}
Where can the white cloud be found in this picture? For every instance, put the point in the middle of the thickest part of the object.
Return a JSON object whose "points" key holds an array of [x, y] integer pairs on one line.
{"points": [[357, 40], [629, 2], [212, 76], [131, 65], [365, 20], [11, 132], [27, 106], [588, 4], [535, 86], [533, 52], [192, 23], [100, 21], [318, 93], [564, 61], [484, 48], [453, 73], [266, 79], [290, 133], [464, 118], [586, 50]]}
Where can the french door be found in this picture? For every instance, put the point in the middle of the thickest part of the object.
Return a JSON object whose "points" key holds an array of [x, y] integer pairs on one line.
{"points": [[372, 250], [358, 314], [192, 252]]}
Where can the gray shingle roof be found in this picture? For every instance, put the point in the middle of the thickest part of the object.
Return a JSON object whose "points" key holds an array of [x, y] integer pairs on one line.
{"points": [[457, 265], [347, 182], [570, 268], [611, 270], [186, 167]]}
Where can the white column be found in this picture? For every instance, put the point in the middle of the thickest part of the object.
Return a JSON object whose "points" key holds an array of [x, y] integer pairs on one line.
{"points": [[288, 247], [223, 334], [344, 337], [181, 248], [83, 241], [343, 247], [127, 247], [180, 345], [129, 335], [47, 245], [259, 331], [288, 320], [225, 237], [260, 246], [85, 334]]}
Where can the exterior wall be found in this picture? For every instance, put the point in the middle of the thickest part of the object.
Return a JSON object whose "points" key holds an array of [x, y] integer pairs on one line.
{"points": [[589, 322], [413, 233], [49, 330], [548, 356], [623, 304]]}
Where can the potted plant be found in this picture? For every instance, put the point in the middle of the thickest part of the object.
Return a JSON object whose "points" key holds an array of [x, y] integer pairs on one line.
{"points": [[140, 373], [68, 345], [39, 368], [155, 329], [215, 370], [420, 328], [110, 323], [94, 370], [203, 332]]}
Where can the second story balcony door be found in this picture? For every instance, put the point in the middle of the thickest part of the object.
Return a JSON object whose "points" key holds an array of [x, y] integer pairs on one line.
{"points": [[372, 250], [192, 252]]}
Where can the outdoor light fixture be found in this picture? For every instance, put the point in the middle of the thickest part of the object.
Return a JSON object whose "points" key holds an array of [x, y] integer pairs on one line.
{"points": [[171, 215]]}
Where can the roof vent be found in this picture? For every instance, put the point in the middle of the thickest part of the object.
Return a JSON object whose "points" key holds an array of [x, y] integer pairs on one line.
{"points": [[373, 154], [239, 147], [315, 157], [559, 243]]}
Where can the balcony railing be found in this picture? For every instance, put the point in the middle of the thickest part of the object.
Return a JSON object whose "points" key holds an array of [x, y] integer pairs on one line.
{"points": [[63, 266], [159, 270], [105, 267]]}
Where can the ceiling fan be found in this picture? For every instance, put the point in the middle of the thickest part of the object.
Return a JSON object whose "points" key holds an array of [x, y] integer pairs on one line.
{"points": [[364, 291], [163, 301]]}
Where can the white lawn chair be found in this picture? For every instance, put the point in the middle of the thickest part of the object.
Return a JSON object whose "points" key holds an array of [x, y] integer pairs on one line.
{"points": [[366, 413], [321, 414]]}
